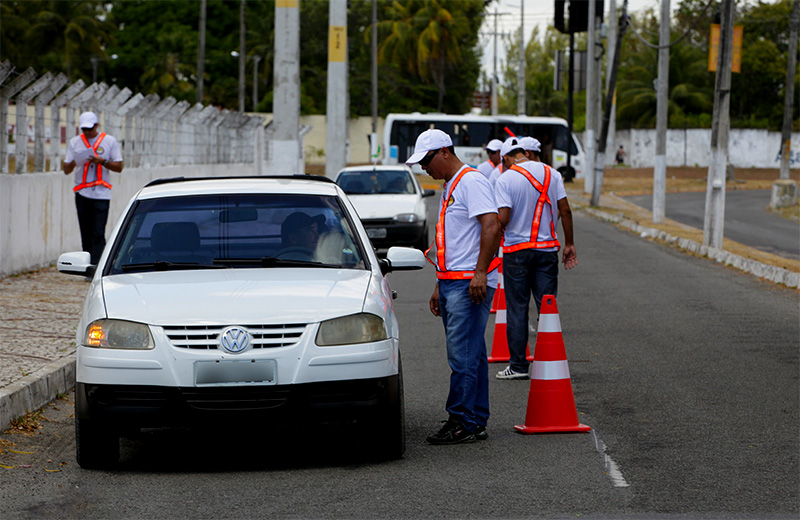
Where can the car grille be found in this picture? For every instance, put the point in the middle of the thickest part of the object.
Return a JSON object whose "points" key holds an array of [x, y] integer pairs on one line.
{"points": [[206, 337], [378, 221]]}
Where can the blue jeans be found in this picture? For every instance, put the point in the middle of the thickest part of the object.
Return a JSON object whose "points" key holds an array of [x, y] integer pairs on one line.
{"points": [[524, 272], [465, 326]]}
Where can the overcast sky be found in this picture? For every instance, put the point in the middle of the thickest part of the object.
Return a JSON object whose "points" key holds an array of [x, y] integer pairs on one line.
{"points": [[539, 13]]}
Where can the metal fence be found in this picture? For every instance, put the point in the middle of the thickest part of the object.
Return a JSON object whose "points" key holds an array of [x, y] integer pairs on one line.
{"points": [[152, 131]]}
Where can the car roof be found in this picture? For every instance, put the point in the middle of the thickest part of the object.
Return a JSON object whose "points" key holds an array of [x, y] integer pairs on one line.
{"points": [[296, 184], [377, 167]]}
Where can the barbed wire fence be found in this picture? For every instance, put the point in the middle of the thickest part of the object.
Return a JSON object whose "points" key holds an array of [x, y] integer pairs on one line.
{"points": [[38, 117]]}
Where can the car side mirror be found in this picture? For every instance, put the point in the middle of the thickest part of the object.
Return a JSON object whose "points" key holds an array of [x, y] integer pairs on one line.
{"points": [[428, 193], [77, 262], [402, 259]]}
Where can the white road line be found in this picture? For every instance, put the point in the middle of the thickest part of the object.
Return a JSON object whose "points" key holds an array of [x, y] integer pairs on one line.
{"points": [[612, 468]]}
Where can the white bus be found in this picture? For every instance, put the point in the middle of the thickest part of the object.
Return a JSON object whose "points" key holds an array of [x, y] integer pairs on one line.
{"points": [[470, 134]]}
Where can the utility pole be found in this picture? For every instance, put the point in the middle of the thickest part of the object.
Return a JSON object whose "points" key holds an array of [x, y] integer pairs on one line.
{"points": [[256, 59], [788, 100], [285, 145], [521, 67], [242, 56], [201, 52], [336, 112], [612, 42], [373, 142], [588, 133], [662, 97], [609, 102], [714, 219], [495, 34]]}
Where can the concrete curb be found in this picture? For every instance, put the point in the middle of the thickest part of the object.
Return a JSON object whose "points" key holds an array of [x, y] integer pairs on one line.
{"points": [[36, 390], [769, 272]]}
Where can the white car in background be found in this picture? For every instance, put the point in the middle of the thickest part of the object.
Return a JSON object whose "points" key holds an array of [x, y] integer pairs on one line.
{"points": [[207, 304], [390, 202]]}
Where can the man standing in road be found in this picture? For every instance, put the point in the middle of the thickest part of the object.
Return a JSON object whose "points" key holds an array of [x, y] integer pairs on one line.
{"points": [[467, 237], [530, 197], [95, 153], [493, 151]]}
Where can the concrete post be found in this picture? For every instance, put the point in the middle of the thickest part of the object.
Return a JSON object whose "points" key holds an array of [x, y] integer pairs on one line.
{"points": [[588, 185], [336, 139], [662, 97], [40, 131], [55, 122], [6, 92], [21, 127], [286, 101]]}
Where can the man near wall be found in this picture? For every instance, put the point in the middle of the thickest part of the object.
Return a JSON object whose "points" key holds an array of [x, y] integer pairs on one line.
{"points": [[95, 153]]}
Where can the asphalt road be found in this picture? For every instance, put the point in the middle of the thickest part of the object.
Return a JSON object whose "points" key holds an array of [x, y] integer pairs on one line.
{"points": [[686, 371], [747, 219]]}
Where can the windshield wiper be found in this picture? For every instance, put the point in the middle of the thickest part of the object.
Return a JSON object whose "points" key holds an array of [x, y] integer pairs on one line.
{"points": [[163, 265], [268, 261]]}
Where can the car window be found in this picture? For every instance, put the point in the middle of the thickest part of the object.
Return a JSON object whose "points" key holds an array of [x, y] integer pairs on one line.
{"points": [[372, 182], [236, 231]]}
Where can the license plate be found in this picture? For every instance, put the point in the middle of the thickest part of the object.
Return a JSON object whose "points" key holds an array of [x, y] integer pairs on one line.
{"points": [[235, 371], [376, 233]]}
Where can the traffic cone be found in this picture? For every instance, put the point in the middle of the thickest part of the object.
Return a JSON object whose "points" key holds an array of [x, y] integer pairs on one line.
{"points": [[500, 352], [497, 293], [551, 403]]}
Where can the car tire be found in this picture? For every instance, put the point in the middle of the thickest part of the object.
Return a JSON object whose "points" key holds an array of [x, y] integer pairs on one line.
{"points": [[96, 445], [568, 174], [391, 443], [423, 243]]}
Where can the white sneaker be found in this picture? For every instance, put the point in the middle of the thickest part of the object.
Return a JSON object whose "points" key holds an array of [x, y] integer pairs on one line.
{"points": [[510, 374]]}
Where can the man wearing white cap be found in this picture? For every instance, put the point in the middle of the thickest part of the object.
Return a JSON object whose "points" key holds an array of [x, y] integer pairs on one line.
{"points": [[95, 153], [532, 148], [530, 197], [467, 237], [493, 151]]}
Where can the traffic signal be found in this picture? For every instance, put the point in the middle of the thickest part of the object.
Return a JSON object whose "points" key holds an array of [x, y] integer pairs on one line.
{"points": [[578, 15]]}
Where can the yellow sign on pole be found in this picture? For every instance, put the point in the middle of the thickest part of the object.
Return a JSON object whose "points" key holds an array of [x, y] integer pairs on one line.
{"points": [[337, 43], [713, 48]]}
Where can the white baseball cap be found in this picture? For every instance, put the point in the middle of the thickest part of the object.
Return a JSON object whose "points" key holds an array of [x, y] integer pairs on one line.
{"points": [[531, 143], [494, 145], [87, 120], [429, 140], [509, 145]]}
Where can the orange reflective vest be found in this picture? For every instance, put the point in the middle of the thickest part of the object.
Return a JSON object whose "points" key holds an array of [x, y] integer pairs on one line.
{"points": [[99, 181], [537, 214], [441, 270]]}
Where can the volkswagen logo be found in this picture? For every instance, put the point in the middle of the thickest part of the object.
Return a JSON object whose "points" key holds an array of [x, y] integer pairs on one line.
{"points": [[234, 339]]}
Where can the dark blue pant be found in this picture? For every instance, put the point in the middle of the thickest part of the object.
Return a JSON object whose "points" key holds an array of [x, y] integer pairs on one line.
{"points": [[525, 272], [92, 218], [465, 327]]}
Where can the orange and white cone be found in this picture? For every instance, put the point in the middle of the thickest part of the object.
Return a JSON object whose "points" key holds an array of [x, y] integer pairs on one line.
{"points": [[551, 403], [499, 293], [500, 352]]}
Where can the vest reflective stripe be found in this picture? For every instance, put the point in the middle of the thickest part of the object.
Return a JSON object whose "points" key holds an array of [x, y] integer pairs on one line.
{"points": [[99, 181], [441, 270], [549, 370], [537, 213]]}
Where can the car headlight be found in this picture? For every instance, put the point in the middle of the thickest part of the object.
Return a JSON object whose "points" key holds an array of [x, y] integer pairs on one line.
{"points": [[118, 334], [348, 330], [406, 217]]}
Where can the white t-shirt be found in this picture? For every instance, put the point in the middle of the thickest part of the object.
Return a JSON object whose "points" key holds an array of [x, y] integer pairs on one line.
{"points": [[496, 173], [77, 151], [472, 196], [514, 191], [485, 168]]}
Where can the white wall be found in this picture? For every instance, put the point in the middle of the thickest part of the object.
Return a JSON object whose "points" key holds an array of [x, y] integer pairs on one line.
{"points": [[38, 220], [691, 147]]}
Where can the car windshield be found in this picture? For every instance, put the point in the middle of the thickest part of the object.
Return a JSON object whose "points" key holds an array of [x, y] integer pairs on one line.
{"points": [[369, 182], [236, 231]]}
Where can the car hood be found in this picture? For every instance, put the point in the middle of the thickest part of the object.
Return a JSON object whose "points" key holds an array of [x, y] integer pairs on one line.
{"points": [[386, 206], [239, 296]]}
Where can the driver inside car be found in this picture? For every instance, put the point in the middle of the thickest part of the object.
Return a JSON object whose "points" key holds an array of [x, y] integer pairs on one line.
{"points": [[300, 234]]}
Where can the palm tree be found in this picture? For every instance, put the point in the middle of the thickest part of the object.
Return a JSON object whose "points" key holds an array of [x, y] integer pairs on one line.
{"points": [[425, 36]]}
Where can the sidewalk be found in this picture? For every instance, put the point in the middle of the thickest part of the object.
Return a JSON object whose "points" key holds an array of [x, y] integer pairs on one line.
{"points": [[40, 310]]}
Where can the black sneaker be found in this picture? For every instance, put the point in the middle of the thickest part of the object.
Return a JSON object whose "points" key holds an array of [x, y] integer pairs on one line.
{"points": [[451, 433], [480, 433]]}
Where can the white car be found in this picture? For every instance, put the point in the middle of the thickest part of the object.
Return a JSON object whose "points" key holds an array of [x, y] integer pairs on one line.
{"points": [[390, 202], [259, 297]]}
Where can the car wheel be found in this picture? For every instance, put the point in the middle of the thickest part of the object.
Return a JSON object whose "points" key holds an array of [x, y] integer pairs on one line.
{"points": [[96, 445], [423, 243], [568, 174], [391, 443]]}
